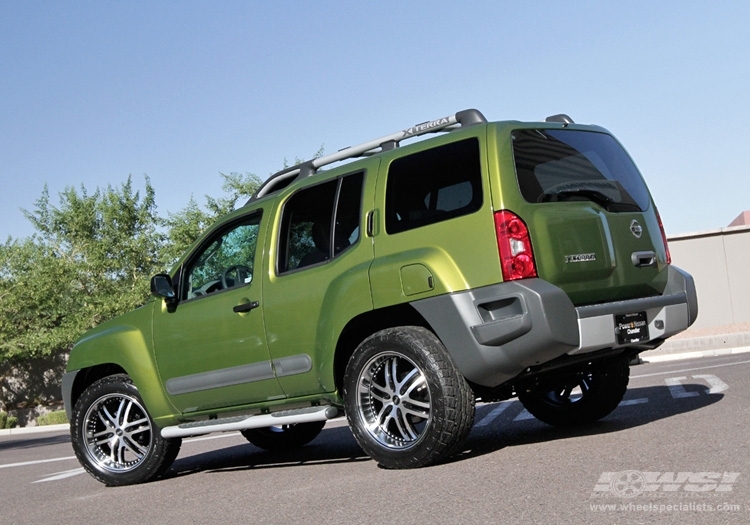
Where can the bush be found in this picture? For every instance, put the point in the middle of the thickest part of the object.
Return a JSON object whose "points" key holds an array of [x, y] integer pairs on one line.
{"points": [[52, 418], [7, 421]]}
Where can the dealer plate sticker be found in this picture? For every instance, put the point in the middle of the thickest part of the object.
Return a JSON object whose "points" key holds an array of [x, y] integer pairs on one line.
{"points": [[631, 328]]}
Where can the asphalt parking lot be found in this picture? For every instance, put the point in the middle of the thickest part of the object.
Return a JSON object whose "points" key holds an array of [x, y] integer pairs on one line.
{"points": [[674, 451]]}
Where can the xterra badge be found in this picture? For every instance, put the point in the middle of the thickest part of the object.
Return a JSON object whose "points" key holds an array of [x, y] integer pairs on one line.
{"points": [[580, 257]]}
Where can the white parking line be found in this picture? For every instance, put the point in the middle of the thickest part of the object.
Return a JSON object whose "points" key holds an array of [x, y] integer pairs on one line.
{"points": [[61, 475], [638, 401], [525, 414], [489, 418], [674, 384], [716, 385], [38, 461], [689, 370]]}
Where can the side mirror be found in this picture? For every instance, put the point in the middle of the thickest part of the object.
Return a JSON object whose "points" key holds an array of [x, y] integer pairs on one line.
{"points": [[161, 286]]}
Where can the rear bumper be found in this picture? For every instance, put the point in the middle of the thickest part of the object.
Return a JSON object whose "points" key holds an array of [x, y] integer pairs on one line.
{"points": [[498, 332], [667, 315]]}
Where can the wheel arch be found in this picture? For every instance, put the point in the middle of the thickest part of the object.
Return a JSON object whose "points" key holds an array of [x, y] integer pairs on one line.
{"points": [[362, 326], [75, 383], [118, 348]]}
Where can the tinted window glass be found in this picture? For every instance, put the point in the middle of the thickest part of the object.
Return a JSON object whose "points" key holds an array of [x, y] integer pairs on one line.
{"points": [[316, 216], [433, 185], [563, 165], [348, 213], [225, 262]]}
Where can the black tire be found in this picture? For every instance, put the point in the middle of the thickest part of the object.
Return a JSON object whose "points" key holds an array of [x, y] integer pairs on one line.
{"points": [[579, 397], [407, 404], [284, 437], [115, 438]]}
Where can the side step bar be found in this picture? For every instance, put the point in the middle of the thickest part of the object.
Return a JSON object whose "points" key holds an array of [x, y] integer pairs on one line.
{"points": [[286, 417]]}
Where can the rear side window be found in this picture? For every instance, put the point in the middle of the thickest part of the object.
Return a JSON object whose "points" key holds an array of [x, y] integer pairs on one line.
{"points": [[564, 165], [320, 222], [433, 185]]}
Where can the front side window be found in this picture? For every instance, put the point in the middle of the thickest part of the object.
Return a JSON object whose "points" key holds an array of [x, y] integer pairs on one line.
{"points": [[226, 261], [320, 222], [565, 165], [433, 185]]}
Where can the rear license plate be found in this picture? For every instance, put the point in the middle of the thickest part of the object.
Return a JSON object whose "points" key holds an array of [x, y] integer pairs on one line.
{"points": [[631, 328]]}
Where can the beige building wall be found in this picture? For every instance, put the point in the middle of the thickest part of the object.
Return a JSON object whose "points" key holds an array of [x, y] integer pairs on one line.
{"points": [[719, 261]]}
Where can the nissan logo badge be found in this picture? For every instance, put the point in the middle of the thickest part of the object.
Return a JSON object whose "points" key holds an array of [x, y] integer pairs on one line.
{"points": [[636, 229]]}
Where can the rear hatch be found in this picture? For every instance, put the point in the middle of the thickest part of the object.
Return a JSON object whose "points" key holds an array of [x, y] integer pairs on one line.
{"points": [[594, 230]]}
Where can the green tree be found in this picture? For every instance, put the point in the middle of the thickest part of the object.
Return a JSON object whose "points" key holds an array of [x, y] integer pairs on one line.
{"points": [[86, 263], [185, 226], [89, 261]]}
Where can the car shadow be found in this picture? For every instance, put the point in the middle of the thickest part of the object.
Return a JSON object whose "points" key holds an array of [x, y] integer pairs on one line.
{"points": [[512, 427], [640, 406], [333, 445]]}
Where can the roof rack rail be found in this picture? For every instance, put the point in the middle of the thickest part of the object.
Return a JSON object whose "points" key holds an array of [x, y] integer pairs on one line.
{"points": [[561, 117], [285, 177]]}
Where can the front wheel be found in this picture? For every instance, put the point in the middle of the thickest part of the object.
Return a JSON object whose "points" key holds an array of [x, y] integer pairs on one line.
{"points": [[114, 437], [578, 397], [406, 402]]}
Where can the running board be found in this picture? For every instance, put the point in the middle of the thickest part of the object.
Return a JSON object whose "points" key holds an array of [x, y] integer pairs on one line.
{"points": [[286, 417]]}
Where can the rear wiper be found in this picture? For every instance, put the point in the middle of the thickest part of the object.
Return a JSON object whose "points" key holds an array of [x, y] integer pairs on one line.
{"points": [[598, 197]]}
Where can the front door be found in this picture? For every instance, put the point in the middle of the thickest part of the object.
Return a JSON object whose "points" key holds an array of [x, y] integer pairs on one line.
{"points": [[211, 348]]}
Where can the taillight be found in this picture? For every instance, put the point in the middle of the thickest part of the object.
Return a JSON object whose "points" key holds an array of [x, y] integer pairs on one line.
{"points": [[664, 238], [514, 245]]}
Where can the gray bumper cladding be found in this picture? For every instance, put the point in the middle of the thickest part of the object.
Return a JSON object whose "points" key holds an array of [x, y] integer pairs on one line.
{"points": [[496, 332]]}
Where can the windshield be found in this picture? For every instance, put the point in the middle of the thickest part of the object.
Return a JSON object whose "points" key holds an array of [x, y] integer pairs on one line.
{"points": [[563, 165]]}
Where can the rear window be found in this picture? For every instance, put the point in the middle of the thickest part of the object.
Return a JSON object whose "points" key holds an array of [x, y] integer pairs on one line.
{"points": [[433, 185], [565, 165]]}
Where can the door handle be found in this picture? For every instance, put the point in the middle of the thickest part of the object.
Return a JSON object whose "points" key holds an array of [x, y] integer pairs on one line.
{"points": [[643, 259], [245, 307]]}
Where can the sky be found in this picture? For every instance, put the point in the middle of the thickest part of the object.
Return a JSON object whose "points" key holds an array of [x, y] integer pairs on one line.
{"points": [[92, 92]]}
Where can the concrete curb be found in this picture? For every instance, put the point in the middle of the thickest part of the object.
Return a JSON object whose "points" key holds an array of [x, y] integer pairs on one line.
{"points": [[34, 430], [693, 355]]}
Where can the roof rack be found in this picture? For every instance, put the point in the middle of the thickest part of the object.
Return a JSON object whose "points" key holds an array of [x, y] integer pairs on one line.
{"points": [[285, 177]]}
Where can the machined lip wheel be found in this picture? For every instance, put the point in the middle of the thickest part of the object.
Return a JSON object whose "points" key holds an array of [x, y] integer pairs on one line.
{"points": [[394, 400], [117, 433]]}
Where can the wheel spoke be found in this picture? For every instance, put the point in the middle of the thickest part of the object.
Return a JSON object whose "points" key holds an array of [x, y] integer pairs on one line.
{"points": [[107, 418], [403, 425], [381, 393], [133, 446], [390, 375], [414, 377]]}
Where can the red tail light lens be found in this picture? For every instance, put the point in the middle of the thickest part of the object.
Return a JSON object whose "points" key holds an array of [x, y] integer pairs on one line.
{"points": [[664, 238], [514, 245]]}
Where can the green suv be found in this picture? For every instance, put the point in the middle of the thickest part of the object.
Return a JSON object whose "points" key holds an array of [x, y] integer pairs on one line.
{"points": [[493, 260]]}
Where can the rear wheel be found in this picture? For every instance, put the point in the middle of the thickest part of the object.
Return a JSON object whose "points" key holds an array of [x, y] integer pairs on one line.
{"points": [[114, 437], [284, 436], [407, 404], [578, 397]]}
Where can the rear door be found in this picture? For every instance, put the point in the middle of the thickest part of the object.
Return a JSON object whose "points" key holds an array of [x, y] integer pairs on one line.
{"points": [[593, 226], [317, 277]]}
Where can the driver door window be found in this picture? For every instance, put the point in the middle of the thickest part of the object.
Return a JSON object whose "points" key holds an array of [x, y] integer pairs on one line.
{"points": [[226, 262]]}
